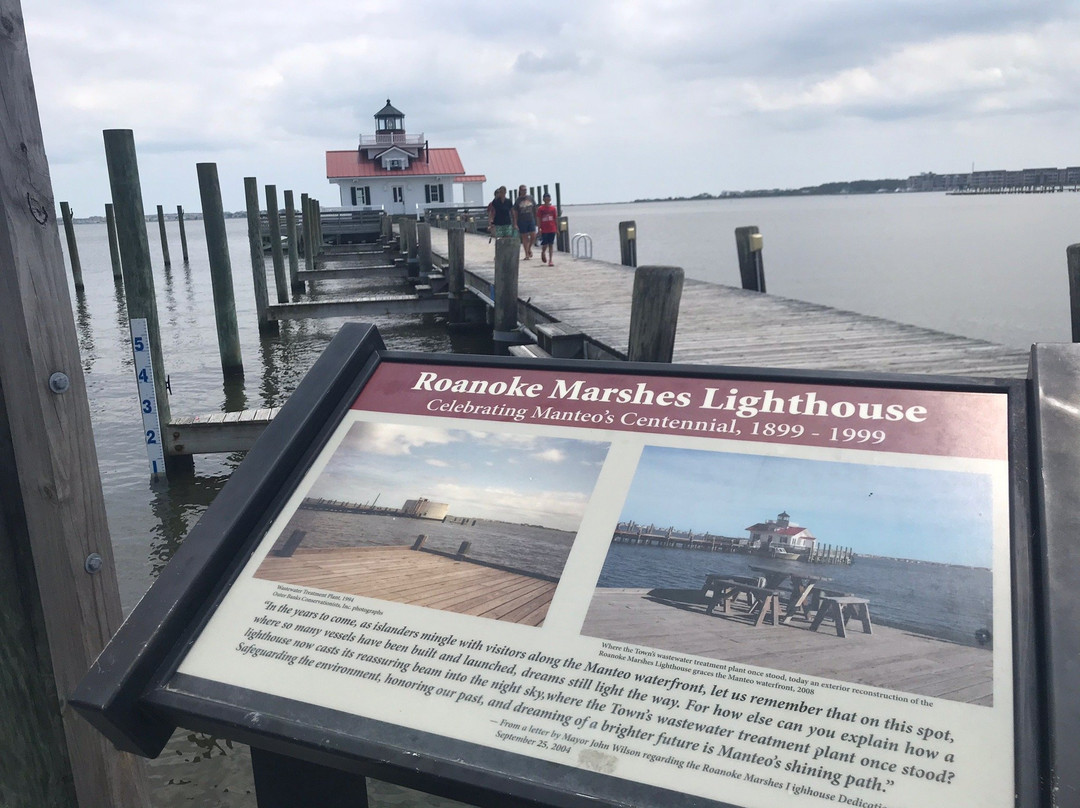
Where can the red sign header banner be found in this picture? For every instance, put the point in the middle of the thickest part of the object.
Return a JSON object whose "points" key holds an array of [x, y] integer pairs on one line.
{"points": [[906, 420]]}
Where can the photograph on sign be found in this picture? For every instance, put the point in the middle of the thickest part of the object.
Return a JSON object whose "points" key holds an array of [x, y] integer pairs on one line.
{"points": [[462, 520], [725, 590], [872, 563]]}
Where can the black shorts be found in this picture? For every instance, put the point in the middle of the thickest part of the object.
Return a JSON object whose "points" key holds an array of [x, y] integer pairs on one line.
{"points": [[547, 239]]}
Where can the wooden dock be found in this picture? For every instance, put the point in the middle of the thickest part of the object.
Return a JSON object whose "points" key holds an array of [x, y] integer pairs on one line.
{"points": [[724, 325], [889, 658], [418, 578]]}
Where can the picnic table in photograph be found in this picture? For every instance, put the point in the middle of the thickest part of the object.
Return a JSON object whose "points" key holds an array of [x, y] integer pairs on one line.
{"points": [[802, 585]]}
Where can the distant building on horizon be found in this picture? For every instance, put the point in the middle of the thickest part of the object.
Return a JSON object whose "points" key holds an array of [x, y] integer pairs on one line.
{"points": [[998, 181], [400, 173], [422, 508]]}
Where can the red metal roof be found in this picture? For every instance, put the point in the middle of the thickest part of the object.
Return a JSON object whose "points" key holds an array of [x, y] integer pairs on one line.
{"points": [[347, 164], [471, 178]]}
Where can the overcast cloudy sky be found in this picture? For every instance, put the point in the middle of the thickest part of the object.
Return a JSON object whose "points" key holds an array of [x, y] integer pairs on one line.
{"points": [[614, 99]]}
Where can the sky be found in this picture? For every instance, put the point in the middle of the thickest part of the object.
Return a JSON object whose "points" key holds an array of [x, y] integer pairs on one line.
{"points": [[524, 479], [922, 514], [613, 99]]}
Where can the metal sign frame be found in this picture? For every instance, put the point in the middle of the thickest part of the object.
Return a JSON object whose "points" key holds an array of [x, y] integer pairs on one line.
{"points": [[134, 695]]}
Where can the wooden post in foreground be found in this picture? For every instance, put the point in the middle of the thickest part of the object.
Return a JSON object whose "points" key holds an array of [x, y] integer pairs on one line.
{"points": [[294, 251], [258, 259], [423, 248], [562, 238], [455, 269], [59, 602], [748, 242], [164, 238], [309, 240], [1072, 254], [183, 234], [273, 218], [628, 243], [135, 257], [412, 253], [114, 247], [654, 313], [504, 330], [73, 247], [217, 248]]}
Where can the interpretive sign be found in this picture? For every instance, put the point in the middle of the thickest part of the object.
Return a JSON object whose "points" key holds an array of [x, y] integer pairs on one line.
{"points": [[657, 584]]}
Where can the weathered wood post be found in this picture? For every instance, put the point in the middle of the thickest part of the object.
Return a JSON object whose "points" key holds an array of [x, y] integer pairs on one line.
{"points": [[273, 218], [558, 201], [628, 243], [562, 237], [387, 227], [318, 227], [164, 238], [294, 252], [423, 248], [135, 261], [1072, 254], [258, 258], [309, 239], [59, 602], [114, 248], [412, 255], [504, 329], [748, 242], [183, 232], [654, 313], [217, 247], [455, 270], [73, 247]]}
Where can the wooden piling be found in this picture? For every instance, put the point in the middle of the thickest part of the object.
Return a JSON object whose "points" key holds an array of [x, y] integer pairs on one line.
{"points": [[628, 243], [258, 258], [1072, 254], [217, 247], [504, 329], [387, 227], [751, 263], [455, 270], [562, 237], [135, 258], [294, 251], [55, 615], [318, 227], [273, 218], [114, 248], [163, 236], [309, 240], [423, 248], [73, 247], [412, 256], [558, 201], [654, 313], [183, 232]]}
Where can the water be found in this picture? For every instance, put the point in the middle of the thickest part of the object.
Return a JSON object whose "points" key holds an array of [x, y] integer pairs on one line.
{"points": [[937, 600], [988, 267]]}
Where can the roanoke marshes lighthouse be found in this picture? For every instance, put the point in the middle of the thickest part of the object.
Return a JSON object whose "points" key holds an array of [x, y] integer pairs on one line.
{"points": [[400, 173]]}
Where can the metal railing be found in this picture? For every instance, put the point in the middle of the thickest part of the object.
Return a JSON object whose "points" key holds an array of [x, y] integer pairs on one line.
{"points": [[581, 245]]}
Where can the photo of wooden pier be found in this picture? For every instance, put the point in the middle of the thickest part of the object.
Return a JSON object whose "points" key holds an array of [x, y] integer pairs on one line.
{"points": [[490, 540]]}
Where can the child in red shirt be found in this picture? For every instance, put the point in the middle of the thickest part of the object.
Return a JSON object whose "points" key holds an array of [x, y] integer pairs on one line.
{"points": [[547, 217]]}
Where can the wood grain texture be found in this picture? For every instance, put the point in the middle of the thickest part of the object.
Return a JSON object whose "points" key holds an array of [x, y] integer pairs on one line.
{"points": [[54, 510]]}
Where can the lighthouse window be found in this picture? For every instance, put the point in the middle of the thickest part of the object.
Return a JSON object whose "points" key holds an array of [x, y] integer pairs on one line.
{"points": [[361, 196], [433, 193], [399, 193]]}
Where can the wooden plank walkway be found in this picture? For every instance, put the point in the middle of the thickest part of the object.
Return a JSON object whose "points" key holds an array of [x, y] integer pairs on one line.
{"points": [[888, 658], [419, 578], [724, 325]]}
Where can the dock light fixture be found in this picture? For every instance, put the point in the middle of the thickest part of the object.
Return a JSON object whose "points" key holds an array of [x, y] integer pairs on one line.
{"points": [[757, 242], [631, 232]]}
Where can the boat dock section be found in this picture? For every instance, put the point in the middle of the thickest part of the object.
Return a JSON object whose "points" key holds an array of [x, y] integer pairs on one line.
{"points": [[724, 325]]}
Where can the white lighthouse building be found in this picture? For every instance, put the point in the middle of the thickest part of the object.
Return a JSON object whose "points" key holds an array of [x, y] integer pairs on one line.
{"points": [[399, 173]]}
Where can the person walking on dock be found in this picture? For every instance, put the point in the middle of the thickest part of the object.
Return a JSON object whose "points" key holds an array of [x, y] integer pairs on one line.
{"points": [[547, 217], [525, 206], [501, 214]]}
